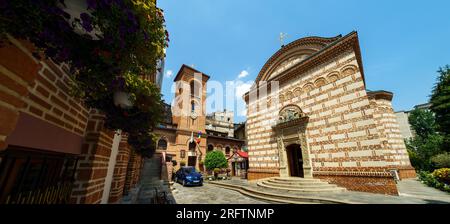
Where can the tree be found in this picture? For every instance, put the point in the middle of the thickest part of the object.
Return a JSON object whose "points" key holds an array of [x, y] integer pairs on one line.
{"points": [[423, 122], [440, 100], [215, 159], [427, 142]]}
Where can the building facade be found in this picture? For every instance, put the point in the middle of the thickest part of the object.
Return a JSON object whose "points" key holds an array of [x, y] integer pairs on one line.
{"points": [[54, 149], [184, 136], [403, 120], [309, 115]]}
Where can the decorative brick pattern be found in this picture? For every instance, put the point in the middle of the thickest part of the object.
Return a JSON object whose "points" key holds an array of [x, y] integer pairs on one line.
{"points": [[347, 130], [373, 184]]}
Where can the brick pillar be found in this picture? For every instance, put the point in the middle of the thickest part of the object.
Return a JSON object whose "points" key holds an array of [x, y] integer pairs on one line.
{"points": [[120, 171], [93, 162], [18, 71]]}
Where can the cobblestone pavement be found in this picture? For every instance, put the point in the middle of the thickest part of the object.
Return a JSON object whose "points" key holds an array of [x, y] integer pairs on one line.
{"points": [[210, 194]]}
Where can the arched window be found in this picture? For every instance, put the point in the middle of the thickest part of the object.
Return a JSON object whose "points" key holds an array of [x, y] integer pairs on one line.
{"points": [[162, 144], [227, 151], [192, 106], [192, 146], [210, 148], [195, 88]]}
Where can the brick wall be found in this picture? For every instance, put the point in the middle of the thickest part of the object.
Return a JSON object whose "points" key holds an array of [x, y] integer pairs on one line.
{"points": [[40, 88], [255, 174], [18, 71], [341, 132], [93, 162], [381, 183], [120, 171]]}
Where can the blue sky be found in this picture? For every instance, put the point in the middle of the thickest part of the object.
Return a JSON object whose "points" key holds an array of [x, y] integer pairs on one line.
{"points": [[403, 43]]}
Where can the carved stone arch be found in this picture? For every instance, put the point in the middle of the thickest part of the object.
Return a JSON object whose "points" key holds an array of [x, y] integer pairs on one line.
{"points": [[308, 87], [297, 91], [290, 112], [288, 95], [320, 82], [333, 77], [349, 70]]}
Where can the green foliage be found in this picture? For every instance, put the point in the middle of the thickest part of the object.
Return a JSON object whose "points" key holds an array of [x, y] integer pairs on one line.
{"points": [[440, 100], [215, 159], [427, 142], [423, 122], [182, 163], [441, 160], [432, 181], [422, 149]]}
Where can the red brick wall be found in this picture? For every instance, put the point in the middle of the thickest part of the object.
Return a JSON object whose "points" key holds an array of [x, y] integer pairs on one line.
{"points": [[41, 89], [406, 172], [382, 184], [18, 71], [120, 171], [255, 174], [93, 163]]}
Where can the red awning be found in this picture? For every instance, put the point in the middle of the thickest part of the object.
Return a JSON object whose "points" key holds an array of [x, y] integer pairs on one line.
{"points": [[242, 154]]}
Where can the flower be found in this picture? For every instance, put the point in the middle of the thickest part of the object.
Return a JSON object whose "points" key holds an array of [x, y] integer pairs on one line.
{"points": [[86, 22]]}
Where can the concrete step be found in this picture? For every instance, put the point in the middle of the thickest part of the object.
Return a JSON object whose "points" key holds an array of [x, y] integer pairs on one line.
{"points": [[303, 185], [302, 189], [298, 183], [284, 198], [296, 180]]}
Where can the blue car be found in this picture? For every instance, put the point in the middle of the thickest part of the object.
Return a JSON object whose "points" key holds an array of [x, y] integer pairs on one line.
{"points": [[188, 176]]}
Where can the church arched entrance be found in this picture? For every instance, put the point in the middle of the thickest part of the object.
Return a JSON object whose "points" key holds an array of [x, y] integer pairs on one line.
{"points": [[295, 160]]}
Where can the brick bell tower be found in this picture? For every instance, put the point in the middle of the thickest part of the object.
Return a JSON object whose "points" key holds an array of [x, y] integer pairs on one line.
{"points": [[189, 114]]}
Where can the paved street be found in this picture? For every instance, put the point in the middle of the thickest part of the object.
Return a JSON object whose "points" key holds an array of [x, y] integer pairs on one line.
{"points": [[210, 194]]}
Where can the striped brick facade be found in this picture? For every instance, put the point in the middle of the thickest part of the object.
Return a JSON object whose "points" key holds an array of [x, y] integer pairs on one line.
{"points": [[347, 134]]}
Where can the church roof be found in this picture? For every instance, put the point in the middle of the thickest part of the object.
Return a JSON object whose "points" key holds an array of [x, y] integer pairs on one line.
{"points": [[183, 67], [307, 53]]}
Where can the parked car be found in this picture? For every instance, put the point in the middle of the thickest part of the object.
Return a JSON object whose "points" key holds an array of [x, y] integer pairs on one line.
{"points": [[188, 176]]}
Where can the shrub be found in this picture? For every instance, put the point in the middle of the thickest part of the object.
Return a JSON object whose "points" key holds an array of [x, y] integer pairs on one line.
{"points": [[182, 163], [215, 159], [442, 175], [432, 181], [441, 160]]}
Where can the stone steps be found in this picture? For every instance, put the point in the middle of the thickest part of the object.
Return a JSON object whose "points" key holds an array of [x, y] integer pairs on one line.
{"points": [[307, 185], [284, 198]]}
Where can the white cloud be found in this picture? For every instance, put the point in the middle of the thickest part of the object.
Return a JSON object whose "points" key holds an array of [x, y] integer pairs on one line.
{"points": [[169, 74], [243, 74], [242, 88]]}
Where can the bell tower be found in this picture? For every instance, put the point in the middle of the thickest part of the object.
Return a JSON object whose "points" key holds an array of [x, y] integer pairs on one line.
{"points": [[189, 114]]}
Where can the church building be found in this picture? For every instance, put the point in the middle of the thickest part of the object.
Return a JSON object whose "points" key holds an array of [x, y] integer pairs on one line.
{"points": [[310, 115], [184, 136]]}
